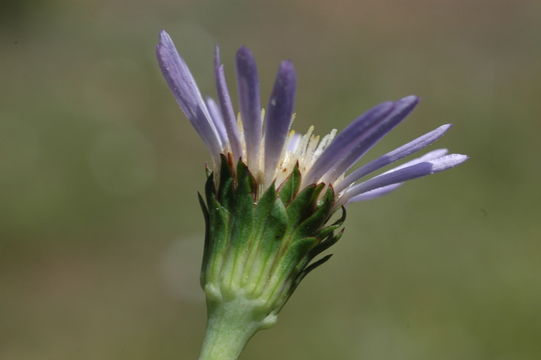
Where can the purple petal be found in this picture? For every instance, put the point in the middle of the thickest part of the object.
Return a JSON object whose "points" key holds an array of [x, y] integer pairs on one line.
{"points": [[217, 120], [279, 115], [392, 156], [250, 105], [228, 114], [341, 146], [371, 135], [407, 173], [186, 92], [431, 155], [372, 194]]}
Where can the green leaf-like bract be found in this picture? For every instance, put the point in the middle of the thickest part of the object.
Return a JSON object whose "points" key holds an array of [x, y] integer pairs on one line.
{"points": [[260, 243]]}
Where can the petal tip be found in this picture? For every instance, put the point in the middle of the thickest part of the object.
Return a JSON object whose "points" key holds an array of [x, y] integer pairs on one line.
{"points": [[246, 61], [462, 158], [447, 162], [458, 159], [287, 65], [287, 71], [443, 129], [164, 37], [243, 53], [409, 101]]}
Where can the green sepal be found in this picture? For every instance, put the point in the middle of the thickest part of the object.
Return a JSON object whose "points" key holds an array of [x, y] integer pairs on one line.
{"points": [[226, 185], [302, 206], [226, 170], [297, 251], [290, 187], [218, 237], [269, 244], [210, 187], [284, 268], [277, 221], [325, 244], [245, 181], [263, 208], [342, 218], [206, 246], [270, 224], [319, 217], [241, 228], [226, 194], [275, 227], [324, 232], [327, 235]]}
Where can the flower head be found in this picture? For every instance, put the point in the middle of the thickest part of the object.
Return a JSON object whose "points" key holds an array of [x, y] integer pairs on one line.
{"points": [[265, 142], [272, 191]]}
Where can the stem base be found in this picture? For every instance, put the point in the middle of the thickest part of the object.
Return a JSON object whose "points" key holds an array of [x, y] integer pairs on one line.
{"points": [[230, 325]]}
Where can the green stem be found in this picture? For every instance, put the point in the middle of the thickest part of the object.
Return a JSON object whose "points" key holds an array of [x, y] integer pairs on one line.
{"points": [[229, 327]]}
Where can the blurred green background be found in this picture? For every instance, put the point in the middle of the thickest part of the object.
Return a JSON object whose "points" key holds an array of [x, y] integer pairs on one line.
{"points": [[100, 230]]}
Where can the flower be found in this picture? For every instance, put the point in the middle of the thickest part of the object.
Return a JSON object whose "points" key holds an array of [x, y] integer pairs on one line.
{"points": [[271, 192], [264, 140]]}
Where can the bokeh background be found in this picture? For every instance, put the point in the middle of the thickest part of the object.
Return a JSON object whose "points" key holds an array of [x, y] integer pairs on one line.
{"points": [[100, 230]]}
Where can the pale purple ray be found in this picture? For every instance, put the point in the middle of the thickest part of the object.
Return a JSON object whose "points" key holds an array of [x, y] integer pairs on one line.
{"points": [[417, 170], [373, 133], [250, 105], [186, 92], [217, 120], [228, 114], [431, 155], [279, 116], [372, 194], [392, 156], [345, 141]]}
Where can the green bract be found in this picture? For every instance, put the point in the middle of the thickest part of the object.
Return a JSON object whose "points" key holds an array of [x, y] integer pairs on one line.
{"points": [[259, 246]]}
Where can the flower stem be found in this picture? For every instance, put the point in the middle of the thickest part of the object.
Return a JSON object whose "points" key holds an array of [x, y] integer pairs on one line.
{"points": [[229, 327]]}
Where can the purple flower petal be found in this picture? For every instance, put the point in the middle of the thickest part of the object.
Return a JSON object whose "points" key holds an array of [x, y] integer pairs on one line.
{"points": [[371, 135], [407, 173], [279, 115], [228, 114], [186, 92], [217, 120], [372, 194], [342, 144], [431, 155], [392, 156], [250, 105]]}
